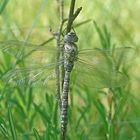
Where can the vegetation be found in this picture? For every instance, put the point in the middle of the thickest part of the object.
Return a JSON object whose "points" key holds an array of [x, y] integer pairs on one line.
{"points": [[31, 37]]}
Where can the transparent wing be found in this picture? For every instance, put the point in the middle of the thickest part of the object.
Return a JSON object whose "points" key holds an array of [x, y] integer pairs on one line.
{"points": [[95, 78], [15, 47], [32, 62], [39, 75], [123, 55], [96, 59], [31, 74], [120, 55], [29, 51], [97, 68]]}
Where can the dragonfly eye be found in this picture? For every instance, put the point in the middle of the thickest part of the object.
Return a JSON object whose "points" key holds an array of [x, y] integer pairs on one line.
{"points": [[70, 37]]}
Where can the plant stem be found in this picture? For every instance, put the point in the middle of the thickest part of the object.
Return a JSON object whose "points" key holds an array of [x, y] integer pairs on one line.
{"points": [[57, 70], [70, 19], [62, 10]]}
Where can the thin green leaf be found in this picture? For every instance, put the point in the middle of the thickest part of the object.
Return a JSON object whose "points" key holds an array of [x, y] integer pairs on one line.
{"points": [[82, 23], [12, 126], [42, 7], [120, 106], [3, 129], [3, 5], [55, 115], [30, 98], [82, 111], [42, 113], [101, 35], [36, 134], [107, 37], [101, 110]]}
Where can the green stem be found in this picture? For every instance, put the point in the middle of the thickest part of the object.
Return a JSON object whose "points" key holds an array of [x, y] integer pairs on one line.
{"points": [[62, 10], [70, 19], [57, 70]]}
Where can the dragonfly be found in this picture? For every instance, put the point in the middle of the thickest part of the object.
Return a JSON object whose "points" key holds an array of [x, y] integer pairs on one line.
{"points": [[98, 65]]}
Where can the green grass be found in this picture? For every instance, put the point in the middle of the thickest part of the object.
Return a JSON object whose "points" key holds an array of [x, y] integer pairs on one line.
{"points": [[30, 111]]}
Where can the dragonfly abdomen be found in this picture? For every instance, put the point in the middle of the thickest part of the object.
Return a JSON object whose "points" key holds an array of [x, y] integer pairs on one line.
{"points": [[64, 104], [70, 55]]}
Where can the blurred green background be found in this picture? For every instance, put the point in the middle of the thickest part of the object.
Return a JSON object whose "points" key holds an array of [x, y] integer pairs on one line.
{"points": [[30, 112]]}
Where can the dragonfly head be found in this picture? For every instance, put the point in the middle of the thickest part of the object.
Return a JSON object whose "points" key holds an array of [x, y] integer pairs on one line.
{"points": [[70, 37]]}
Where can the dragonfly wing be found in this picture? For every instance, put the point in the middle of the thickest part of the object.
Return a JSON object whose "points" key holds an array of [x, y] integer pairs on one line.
{"points": [[34, 62], [31, 54], [96, 68], [96, 59], [30, 75], [95, 78], [15, 47], [123, 55]]}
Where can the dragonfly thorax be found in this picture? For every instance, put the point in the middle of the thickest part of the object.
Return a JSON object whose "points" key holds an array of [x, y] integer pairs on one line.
{"points": [[70, 53], [70, 50]]}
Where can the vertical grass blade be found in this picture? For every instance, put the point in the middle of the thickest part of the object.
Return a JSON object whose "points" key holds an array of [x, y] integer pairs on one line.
{"points": [[12, 126], [3, 4], [30, 98], [101, 109], [42, 7], [104, 36], [36, 134], [3, 129], [101, 35]]}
